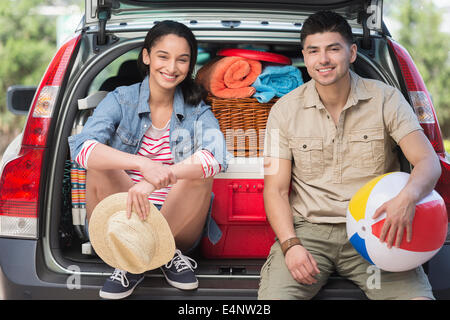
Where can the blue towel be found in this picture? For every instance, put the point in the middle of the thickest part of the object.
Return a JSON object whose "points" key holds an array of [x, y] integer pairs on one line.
{"points": [[276, 81]]}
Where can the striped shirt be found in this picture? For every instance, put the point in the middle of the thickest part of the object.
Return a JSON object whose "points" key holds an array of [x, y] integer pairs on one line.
{"points": [[155, 146]]}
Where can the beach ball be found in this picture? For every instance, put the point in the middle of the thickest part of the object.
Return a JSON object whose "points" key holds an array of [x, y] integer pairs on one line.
{"points": [[429, 227]]}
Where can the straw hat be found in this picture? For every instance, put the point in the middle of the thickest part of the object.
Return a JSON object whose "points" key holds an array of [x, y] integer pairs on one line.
{"points": [[131, 244]]}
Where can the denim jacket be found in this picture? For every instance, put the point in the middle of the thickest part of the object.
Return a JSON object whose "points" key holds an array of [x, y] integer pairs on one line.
{"points": [[121, 119]]}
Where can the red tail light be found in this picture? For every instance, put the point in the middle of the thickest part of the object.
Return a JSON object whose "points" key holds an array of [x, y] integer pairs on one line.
{"points": [[21, 175], [41, 112], [443, 185], [423, 106], [419, 97]]}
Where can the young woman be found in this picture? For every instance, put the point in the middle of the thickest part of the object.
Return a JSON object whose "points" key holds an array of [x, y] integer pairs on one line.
{"points": [[161, 143]]}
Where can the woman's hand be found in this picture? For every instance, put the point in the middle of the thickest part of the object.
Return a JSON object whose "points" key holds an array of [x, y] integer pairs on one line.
{"points": [[138, 199], [158, 175]]}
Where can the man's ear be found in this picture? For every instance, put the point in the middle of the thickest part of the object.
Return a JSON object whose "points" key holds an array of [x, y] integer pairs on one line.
{"points": [[353, 50]]}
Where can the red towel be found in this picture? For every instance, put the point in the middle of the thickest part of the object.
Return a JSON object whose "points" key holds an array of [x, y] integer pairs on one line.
{"points": [[229, 77]]}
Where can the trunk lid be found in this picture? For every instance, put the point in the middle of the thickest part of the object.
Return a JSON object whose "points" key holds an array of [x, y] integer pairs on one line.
{"points": [[104, 13]]}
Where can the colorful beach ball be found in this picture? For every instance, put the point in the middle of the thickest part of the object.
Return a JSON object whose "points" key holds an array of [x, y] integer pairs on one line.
{"points": [[429, 228]]}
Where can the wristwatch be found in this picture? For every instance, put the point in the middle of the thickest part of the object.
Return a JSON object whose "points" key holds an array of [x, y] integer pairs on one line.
{"points": [[289, 243]]}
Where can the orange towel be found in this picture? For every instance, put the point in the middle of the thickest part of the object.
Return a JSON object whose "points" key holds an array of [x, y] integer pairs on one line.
{"points": [[229, 77]]}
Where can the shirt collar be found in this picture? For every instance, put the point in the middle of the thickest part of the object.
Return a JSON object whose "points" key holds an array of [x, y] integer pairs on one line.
{"points": [[144, 95], [358, 91], [312, 98]]}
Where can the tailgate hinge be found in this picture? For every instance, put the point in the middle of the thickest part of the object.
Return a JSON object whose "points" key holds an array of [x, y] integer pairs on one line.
{"points": [[375, 15], [371, 19], [104, 14]]}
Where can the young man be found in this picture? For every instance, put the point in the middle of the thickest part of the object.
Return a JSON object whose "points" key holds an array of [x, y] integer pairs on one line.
{"points": [[328, 138]]}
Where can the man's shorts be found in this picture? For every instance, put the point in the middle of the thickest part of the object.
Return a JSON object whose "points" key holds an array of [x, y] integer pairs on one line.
{"points": [[329, 246]]}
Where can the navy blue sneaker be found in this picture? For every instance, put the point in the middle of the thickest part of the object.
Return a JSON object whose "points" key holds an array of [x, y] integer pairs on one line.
{"points": [[179, 272], [120, 284]]}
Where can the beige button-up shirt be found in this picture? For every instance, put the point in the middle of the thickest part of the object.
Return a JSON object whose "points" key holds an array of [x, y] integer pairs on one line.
{"points": [[331, 162]]}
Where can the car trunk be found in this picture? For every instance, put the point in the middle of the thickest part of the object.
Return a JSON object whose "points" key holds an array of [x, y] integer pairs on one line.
{"points": [[63, 246]]}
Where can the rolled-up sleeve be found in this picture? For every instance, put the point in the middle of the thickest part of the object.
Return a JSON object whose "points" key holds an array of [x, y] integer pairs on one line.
{"points": [[399, 117], [99, 127]]}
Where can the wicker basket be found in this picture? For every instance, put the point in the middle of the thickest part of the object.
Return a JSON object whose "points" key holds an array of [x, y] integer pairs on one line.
{"points": [[243, 122]]}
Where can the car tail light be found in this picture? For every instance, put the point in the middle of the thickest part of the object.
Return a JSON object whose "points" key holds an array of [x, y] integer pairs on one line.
{"points": [[419, 97], [21, 175], [443, 185], [423, 106]]}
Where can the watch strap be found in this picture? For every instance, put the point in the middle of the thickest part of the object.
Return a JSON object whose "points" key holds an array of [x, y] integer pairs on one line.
{"points": [[289, 243]]}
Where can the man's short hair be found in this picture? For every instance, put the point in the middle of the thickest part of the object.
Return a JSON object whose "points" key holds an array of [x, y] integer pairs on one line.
{"points": [[326, 21]]}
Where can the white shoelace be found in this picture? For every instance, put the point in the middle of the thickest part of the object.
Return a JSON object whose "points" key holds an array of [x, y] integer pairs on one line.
{"points": [[181, 262], [120, 275]]}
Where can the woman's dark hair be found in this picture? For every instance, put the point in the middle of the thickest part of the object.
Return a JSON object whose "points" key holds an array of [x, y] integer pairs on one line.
{"points": [[326, 21], [192, 92]]}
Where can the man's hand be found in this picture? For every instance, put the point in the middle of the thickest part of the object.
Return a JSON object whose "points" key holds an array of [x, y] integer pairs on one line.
{"points": [[400, 213], [301, 264], [401, 209], [138, 199]]}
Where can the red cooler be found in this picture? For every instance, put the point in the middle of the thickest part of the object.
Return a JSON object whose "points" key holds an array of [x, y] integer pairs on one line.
{"points": [[238, 209]]}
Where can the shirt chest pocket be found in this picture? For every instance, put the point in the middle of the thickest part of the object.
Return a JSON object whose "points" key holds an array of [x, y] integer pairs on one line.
{"points": [[366, 147], [308, 155], [129, 141]]}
